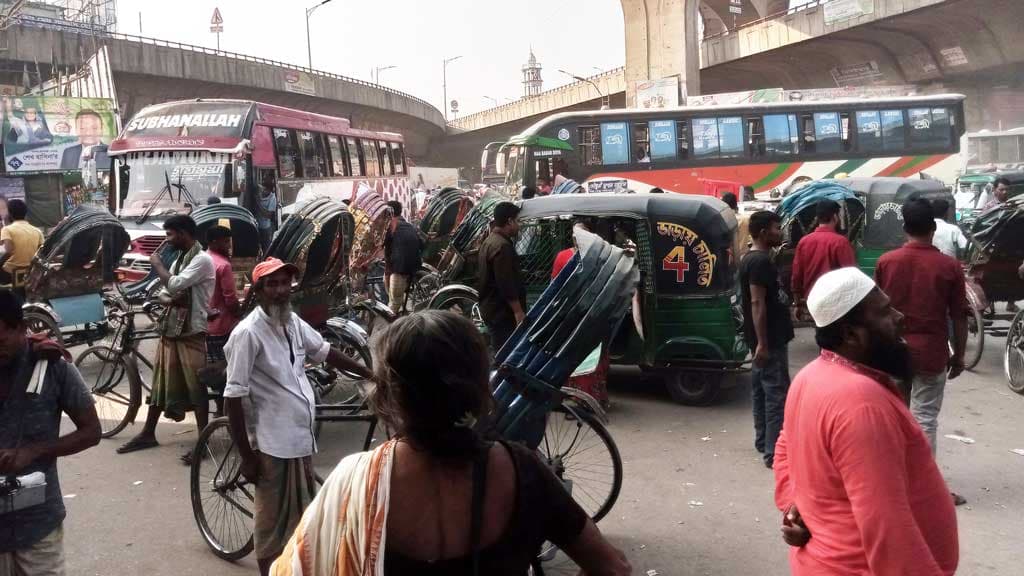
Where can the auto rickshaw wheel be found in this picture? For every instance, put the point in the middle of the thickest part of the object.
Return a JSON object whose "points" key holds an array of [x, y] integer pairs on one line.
{"points": [[693, 387]]}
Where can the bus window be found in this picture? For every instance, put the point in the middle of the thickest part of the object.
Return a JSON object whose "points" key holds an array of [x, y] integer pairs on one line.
{"points": [[683, 138], [663, 139], [397, 157], [370, 160], [780, 134], [755, 136], [641, 143], [869, 131], [288, 165], [310, 158], [827, 137], [337, 156], [893, 137], [705, 138], [730, 133], [352, 150], [589, 141], [844, 130], [385, 157], [718, 137], [806, 133], [929, 127], [614, 143]]}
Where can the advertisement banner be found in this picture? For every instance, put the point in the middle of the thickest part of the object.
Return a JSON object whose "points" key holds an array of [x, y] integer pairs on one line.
{"points": [[663, 139], [299, 82], [737, 98], [865, 72], [839, 10], [663, 93], [822, 94], [49, 133], [614, 143]]}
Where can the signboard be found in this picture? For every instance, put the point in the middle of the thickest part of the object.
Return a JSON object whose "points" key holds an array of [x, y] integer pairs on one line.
{"points": [[607, 185], [683, 260], [736, 9], [822, 94], [614, 143], [663, 93], [10, 90], [736, 98], [299, 83], [49, 133], [865, 72], [839, 10], [216, 21], [954, 56]]}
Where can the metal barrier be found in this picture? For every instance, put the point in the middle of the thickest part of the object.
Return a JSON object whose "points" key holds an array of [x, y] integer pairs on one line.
{"points": [[775, 16], [74, 27]]}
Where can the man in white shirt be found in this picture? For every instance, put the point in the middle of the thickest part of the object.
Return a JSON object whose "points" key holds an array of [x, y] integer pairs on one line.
{"points": [[270, 404], [949, 239], [188, 285]]}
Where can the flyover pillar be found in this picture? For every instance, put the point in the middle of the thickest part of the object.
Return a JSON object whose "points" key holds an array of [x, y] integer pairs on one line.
{"points": [[661, 42]]}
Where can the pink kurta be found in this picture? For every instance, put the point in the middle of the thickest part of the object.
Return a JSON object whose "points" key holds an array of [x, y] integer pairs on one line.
{"points": [[859, 469]]}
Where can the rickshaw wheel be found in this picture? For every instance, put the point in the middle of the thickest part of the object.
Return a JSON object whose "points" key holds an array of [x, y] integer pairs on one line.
{"points": [[693, 387], [1013, 355], [975, 339], [39, 323]]}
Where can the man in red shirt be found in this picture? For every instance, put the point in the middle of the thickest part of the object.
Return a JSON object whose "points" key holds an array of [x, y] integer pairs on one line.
{"points": [[819, 252], [225, 309], [928, 288], [854, 476]]}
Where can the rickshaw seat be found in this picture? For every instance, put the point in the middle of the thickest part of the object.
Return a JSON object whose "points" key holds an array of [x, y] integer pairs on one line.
{"points": [[75, 310]]}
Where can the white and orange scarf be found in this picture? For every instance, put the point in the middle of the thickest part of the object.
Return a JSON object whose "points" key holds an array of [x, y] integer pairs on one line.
{"points": [[342, 532]]}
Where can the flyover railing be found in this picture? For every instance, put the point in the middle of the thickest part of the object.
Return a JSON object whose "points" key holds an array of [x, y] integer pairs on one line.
{"points": [[770, 17], [98, 31]]}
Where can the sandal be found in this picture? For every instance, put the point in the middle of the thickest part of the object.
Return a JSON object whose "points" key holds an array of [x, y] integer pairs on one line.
{"points": [[136, 444]]}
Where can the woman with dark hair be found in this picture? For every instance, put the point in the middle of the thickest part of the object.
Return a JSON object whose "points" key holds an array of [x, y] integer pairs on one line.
{"points": [[439, 498]]}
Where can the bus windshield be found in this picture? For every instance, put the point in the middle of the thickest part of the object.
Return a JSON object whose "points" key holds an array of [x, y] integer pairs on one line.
{"points": [[515, 166], [194, 176]]}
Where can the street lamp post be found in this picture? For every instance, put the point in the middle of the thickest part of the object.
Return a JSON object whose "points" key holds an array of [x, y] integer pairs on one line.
{"points": [[309, 47], [604, 99], [444, 82], [378, 69]]}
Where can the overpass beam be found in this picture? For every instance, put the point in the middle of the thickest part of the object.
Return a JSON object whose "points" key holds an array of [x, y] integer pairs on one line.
{"points": [[662, 41]]}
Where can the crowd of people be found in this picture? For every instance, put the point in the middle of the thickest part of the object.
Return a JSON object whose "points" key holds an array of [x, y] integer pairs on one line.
{"points": [[851, 440]]}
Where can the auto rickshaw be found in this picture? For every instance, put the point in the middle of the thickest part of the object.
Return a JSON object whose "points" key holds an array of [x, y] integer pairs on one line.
{"points": [[688, 323], [974, 190]]}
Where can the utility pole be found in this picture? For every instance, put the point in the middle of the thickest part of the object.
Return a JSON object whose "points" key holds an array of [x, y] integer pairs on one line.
{"points": [[444, 82], [309, 47], [605, 104]]}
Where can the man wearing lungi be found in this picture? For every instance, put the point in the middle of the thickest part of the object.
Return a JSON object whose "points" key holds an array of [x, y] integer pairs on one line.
{"points": [[271, 407], [188, 285]]}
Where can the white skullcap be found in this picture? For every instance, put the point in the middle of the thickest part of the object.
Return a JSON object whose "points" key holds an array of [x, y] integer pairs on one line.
{"points": [[836, 293]]}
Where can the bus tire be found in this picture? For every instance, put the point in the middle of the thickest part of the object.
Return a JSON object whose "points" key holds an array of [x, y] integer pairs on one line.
{"points": [[693, 387]]}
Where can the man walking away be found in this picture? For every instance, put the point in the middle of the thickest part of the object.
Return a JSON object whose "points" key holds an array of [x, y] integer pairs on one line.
{"points": [[270, 405], [402, 257], [768, 330], [225, 308], [854, 476], [502, 296], [819, 252], [37, 387], [21, 241], [949, 239], [181, 352], [928, 288]]}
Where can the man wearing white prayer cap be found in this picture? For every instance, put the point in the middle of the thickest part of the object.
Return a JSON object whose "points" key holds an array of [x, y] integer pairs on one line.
{"points": [[854, 473]]}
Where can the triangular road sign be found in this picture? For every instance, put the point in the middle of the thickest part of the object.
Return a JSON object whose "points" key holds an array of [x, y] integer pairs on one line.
{"points": [[217, 18]]}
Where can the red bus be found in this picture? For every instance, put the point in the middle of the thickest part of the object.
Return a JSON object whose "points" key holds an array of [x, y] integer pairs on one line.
{"points": [[208, 148]]}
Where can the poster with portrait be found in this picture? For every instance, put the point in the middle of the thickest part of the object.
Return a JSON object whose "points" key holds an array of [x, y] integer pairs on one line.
{"points": [[49, 133]]}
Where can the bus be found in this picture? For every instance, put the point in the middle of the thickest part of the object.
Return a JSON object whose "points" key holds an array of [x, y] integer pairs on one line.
{"points": [[490, 166], [996, 150], [175, 156], [697, 150]]}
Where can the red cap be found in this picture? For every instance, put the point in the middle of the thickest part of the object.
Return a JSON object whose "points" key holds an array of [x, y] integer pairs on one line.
{"points": [[271, 265]]}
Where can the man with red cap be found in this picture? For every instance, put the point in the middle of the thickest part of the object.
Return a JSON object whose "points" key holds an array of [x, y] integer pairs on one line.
{"points": [[271, 406]]}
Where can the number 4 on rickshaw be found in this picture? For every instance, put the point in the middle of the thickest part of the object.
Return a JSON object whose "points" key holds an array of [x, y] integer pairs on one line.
{"points": [[675, 261]]}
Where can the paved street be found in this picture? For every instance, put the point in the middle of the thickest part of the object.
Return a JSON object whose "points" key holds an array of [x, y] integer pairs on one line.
{"points": [[696, 499]]}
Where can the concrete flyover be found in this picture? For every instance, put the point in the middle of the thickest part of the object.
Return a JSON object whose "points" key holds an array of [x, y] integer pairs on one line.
{"points": [[148, 71]]}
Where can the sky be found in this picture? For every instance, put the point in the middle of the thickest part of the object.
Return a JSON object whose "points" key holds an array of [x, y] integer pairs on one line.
{"points": [[353, 37]]}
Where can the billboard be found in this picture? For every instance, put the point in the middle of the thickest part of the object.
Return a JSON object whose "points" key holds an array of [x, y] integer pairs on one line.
{"points": [[51, 133], [663, 93], [737, 98]]}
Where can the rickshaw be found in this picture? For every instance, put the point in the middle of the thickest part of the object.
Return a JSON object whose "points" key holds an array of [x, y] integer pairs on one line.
{"points": [[997, 252], [66, 278], [443, 214], [688, 324]]}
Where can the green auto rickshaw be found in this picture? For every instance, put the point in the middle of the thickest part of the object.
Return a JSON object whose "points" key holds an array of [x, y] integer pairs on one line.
{"points": [[688, 322], [974, 190], [883, 223]]}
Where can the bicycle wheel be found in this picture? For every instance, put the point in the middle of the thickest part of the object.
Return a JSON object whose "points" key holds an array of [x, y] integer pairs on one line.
{"points": [[975, 339], [348, 388], [116, 395], [40, 323], [222, 500], [463, 303], [1013, 355], [581, 452]]}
